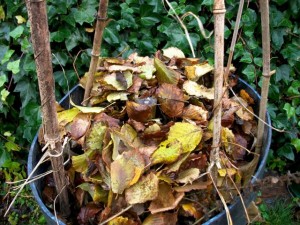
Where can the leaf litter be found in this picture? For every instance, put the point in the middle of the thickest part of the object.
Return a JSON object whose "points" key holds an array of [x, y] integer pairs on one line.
{"points": [[146, 139]]}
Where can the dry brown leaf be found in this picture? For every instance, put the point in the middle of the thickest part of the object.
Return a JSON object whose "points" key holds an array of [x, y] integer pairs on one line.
{"points": [[195, 186], [161, 219], [80, 125], [140, 112], [194, 112], [166, 199], [171, 99], [87, 213]]}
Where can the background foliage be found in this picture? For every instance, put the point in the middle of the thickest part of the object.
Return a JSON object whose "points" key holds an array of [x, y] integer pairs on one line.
{"points": [[142, 26]]}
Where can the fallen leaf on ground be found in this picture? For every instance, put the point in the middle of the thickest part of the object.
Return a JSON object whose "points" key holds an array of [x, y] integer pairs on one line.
{"points": [[192, 88], [166, 199], [145, 190], [126, 170], [171, 99]]}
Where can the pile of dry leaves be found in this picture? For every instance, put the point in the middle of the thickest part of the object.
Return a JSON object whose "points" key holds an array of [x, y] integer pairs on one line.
{"points": [[144, 144]]}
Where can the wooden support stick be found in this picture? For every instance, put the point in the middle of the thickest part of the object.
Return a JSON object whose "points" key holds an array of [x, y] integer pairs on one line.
{"points": [[42, 53], [265, 26], [219, 17], [100, 25]]}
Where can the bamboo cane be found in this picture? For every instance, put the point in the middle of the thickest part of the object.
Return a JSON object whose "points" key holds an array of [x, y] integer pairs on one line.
{"points": [[233, 41], [265, 26], [248, 170], [41, 46], [100, 25], [219, 17]]}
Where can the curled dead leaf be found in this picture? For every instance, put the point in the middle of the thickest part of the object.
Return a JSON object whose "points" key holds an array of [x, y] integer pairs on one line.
{"points": [[171, 99]]}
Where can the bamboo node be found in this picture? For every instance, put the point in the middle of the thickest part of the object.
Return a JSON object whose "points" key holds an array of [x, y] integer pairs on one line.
{"points": [[219, 11], [103, 19], [95, 55], [35, 1]]}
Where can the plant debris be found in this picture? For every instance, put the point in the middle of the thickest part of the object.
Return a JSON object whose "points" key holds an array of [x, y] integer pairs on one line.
{"points": [[146, 140]]}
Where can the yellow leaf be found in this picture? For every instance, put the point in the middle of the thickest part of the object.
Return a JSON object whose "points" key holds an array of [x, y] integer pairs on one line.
{"points": [[164, 74], [89, 29], [191, 210], [120, 220], [126, 170], [2, 13], [145, 190], [196, 71], [182, 138], [224, 172], [227, 139], [80, 162], [20, 19], [66, 116], [94, 139], [87, 109], [192, 88]]}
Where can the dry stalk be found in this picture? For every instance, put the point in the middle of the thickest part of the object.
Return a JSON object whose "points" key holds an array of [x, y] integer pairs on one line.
{"points": [[100, 26], [219, 16]]}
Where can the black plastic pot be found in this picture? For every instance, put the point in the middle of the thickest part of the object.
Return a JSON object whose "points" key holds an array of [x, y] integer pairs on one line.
{"points": [[236, 209]]}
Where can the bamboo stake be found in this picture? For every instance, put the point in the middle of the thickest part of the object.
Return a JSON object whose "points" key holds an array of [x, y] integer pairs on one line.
{"points": [[100, 25], [265, 26], [41, 46], [233, 41], [219, 17], [248, 170]]}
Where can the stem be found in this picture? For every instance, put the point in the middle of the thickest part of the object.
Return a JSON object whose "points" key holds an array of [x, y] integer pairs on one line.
{"points": [[234, 37], [42, 53], [266, 71], [100, 25], [219, 16]]}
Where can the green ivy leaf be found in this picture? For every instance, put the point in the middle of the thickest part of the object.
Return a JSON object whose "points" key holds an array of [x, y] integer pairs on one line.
{"points": [[61, 34], [149, 21], [14, 66], [3, 79], [283, 73], [110, 35], [247, 58], [11, 146], [7, 56], [290, 110], [249, 71], [293, 90], [4, 93], [287, 152], [278, 37], [27, 91], [296, 143], [258, 61], [17, 32]]}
